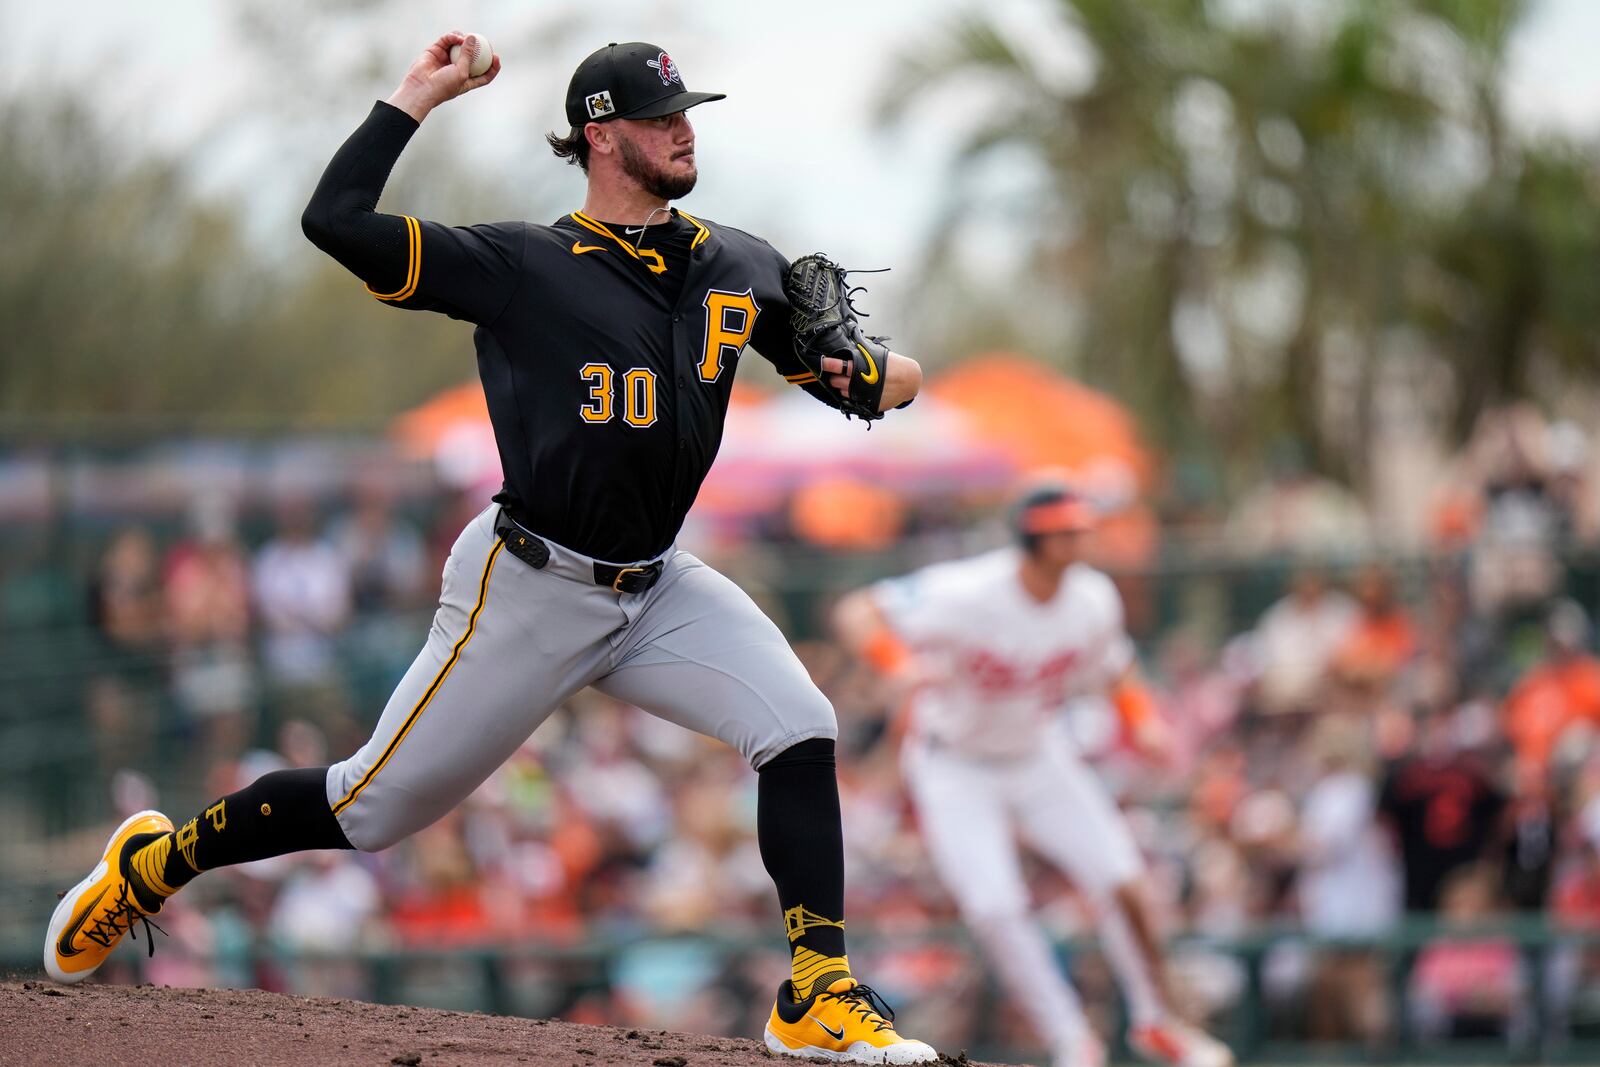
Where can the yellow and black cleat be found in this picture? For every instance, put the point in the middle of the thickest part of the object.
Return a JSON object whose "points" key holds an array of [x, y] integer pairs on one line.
{"points": [[94, 914], [846, 1023]]}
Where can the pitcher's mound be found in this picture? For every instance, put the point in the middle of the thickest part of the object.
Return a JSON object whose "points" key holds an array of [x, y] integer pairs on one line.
{"points": [[55, 1025]]}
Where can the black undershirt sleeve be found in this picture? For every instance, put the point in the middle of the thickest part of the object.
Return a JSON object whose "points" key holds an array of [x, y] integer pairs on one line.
{"points": [[342, 218], [468, 272]]}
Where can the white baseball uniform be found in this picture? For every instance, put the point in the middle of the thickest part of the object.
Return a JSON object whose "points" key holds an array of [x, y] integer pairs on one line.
{"points": [[989, 757]]}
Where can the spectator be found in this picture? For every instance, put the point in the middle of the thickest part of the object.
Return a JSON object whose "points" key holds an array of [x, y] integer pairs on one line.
{"points": [[1576, 899], [125, 595], [389, 567], [1202, 694], [1382, 639], [1458, 655], [1441, 804], [1530, 834], [326, 904], [302, 587], [1514, 564], [616, 790], [1560, 695], [1298, 638], [1349, 887], [1575, 905], [384, 556], [121, 724], [1297, 510], [206, 589], [1465, 988]]}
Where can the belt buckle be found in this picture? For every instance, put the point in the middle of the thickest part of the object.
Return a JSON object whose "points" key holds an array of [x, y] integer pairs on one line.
{"points": [[616, 583]]}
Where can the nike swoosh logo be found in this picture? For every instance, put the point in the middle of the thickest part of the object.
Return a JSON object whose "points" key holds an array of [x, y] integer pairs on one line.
{"points": [[64, 947], [633, 229], [870, 378], [838, 1035], [578, 248]]}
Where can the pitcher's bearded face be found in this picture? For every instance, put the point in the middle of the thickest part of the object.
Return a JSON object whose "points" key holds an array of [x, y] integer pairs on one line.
{"points": [[659, 154]]}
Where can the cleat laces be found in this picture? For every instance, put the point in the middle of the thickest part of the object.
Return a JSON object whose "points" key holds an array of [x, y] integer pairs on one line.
{"points": [[865, 1001], [121, 918]]}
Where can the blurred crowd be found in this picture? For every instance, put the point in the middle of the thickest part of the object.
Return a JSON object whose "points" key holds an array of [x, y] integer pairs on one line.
{"points": [[1387, 739], [221, 641]]}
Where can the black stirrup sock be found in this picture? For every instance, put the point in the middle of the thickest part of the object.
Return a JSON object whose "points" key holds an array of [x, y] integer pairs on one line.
{"points": [[802, 846], [285, 811]]}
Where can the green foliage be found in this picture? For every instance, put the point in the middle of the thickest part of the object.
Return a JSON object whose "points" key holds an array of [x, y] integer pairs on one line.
{"points": [[1252, 209], [125, 298]]}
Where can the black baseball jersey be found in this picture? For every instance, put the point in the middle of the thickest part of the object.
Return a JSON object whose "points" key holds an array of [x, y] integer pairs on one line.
{"points": [[607, 356]]}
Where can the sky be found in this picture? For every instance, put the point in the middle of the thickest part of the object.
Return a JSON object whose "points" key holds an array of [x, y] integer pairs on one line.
{"points": [[792, 153]]}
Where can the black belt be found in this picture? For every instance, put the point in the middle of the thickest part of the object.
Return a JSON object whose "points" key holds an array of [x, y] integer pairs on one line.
{"points": [[535, 553]]}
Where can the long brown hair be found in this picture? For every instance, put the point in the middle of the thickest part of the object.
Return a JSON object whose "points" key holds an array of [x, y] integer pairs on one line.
{"points": [[574, 147]]}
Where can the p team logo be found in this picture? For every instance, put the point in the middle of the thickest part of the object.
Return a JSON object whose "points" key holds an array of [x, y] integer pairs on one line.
{"points": [[664, 66], [600, 104]]}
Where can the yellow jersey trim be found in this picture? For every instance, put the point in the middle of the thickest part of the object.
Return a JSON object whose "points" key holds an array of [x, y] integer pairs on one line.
{"points": [[648, 256], [413, 264], [700, 237], [438, 680]]}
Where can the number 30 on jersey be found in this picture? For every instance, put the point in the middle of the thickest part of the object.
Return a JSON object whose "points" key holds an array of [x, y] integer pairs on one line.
{"points": [[730, 318], [638, 395]]}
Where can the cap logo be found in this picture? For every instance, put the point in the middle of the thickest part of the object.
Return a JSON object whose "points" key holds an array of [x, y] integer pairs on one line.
{"points": [[600, 104], [665, 67]]}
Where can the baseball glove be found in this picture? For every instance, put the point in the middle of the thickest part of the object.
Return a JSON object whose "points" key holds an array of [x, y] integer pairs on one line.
{"points": [[824, 324]]}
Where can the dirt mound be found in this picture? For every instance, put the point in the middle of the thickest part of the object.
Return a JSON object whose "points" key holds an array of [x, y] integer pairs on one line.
{"points": [[43, 1023]]}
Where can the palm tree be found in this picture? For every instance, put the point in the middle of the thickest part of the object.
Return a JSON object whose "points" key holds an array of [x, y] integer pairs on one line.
{"points": [[1255, 217]]}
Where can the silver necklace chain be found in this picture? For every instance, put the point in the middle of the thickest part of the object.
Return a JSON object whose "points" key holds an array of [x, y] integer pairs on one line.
{"points": [[639, 240]]}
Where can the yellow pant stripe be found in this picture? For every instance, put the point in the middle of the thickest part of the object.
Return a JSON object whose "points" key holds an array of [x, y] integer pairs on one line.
{"points": [[438, 680], [413, 264]]}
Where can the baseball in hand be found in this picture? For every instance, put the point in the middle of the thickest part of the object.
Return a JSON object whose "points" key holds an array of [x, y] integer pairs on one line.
{"points": [[479, 54]]}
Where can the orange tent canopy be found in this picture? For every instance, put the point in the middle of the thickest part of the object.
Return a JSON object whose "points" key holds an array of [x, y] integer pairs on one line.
{"points": [[1042, 418], [423, 427]]}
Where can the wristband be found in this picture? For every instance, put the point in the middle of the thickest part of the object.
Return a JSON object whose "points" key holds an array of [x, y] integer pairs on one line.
{"points": [[887, 652], [1134, 704]]}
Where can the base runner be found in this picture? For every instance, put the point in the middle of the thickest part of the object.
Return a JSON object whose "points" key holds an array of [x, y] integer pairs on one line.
{"points": [[992, 647]]}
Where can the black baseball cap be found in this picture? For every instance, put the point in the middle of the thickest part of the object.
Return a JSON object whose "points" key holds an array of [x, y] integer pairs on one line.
{"points": [[628, 81]]}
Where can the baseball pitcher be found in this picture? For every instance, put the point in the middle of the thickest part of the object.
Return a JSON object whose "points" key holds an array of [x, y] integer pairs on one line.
{"points": [[607, 344]]}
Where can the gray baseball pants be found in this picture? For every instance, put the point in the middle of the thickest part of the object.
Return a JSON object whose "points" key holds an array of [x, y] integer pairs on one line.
{"points": [[510, 643]]}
